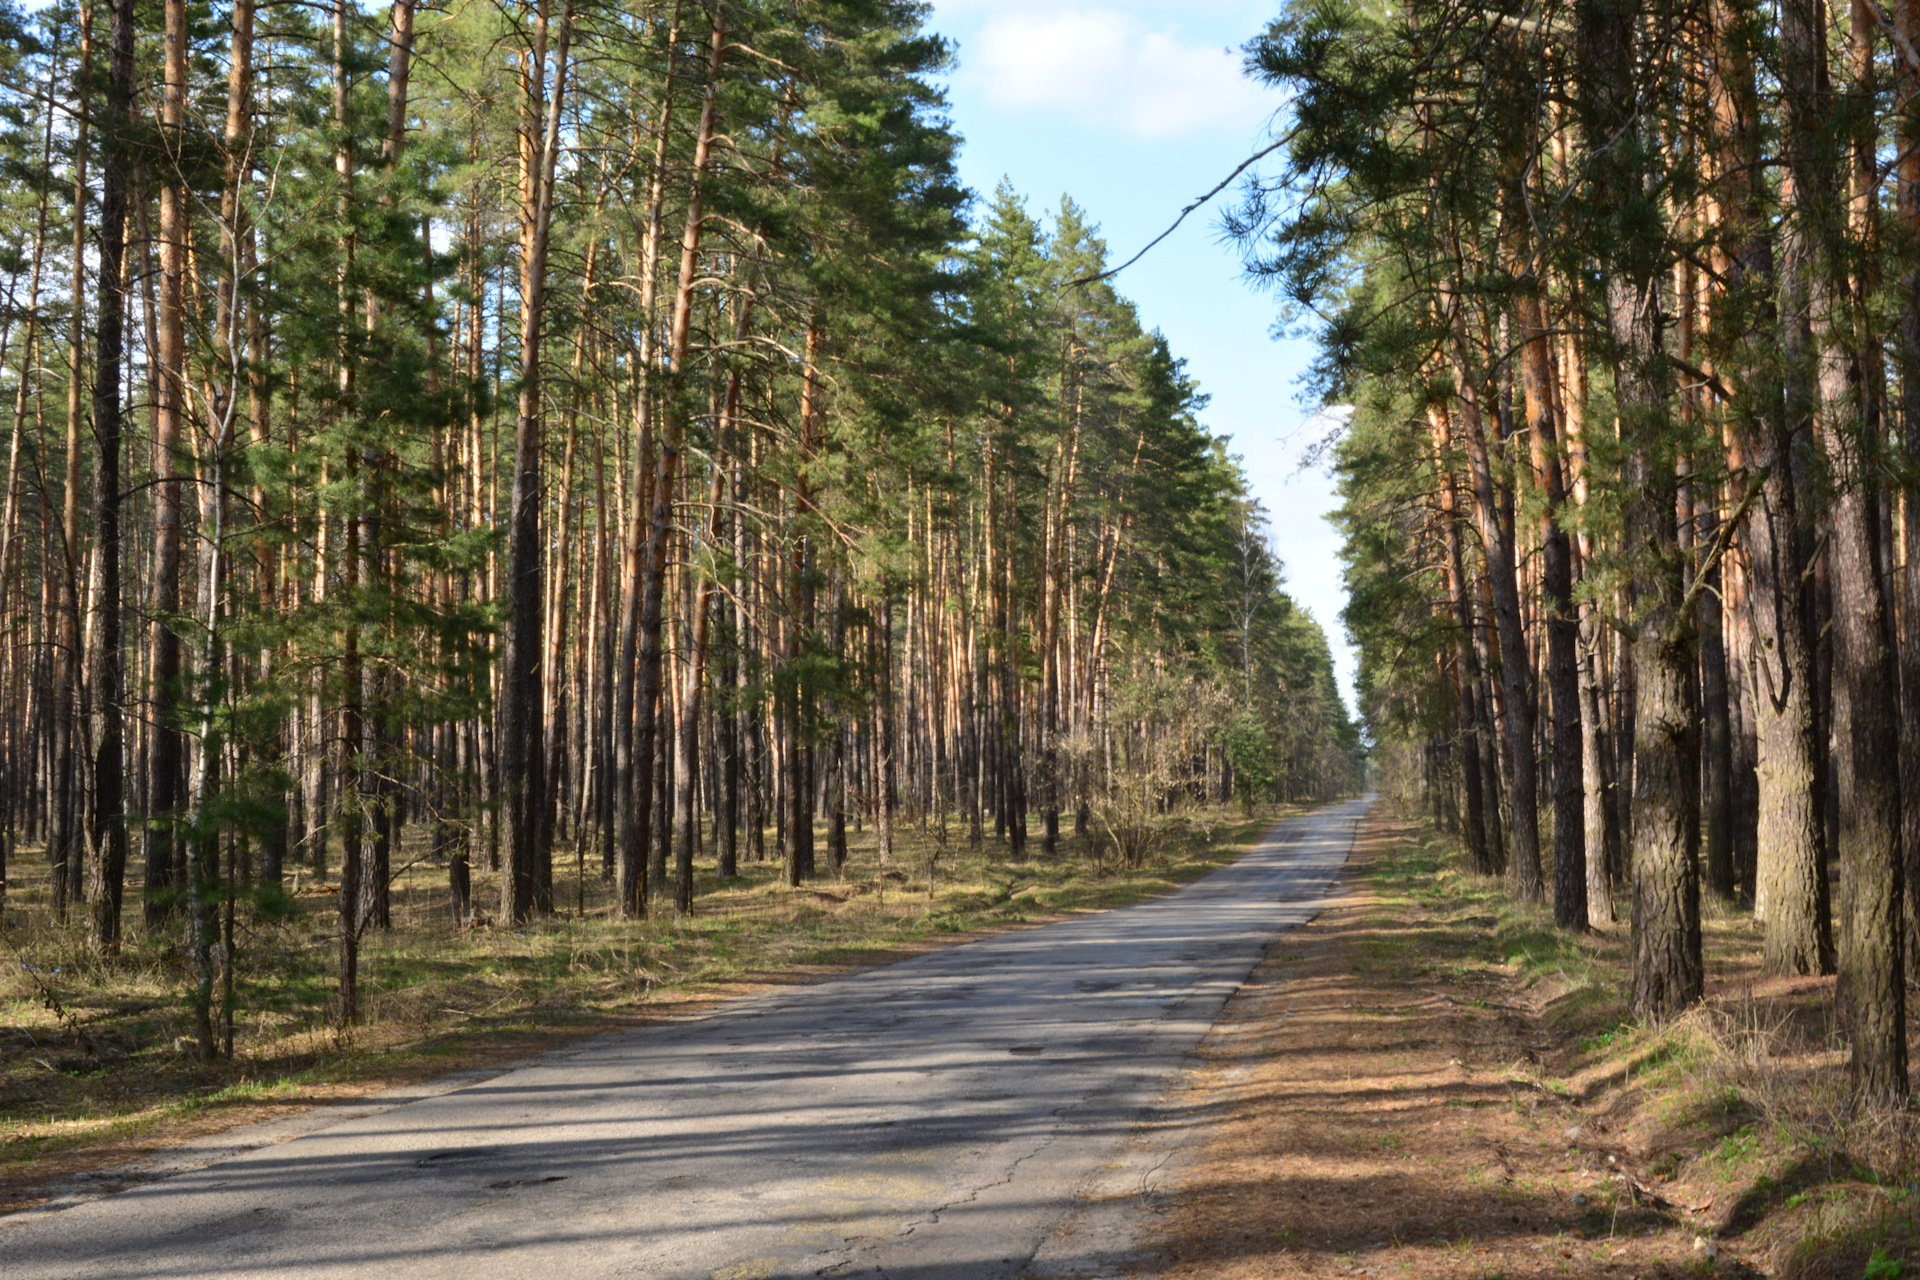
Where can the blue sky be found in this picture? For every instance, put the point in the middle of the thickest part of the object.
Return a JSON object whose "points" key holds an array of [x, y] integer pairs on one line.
{"points": [[1133, 107]]}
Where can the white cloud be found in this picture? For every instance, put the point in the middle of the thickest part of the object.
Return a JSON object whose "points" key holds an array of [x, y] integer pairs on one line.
{"points": [[1112, 70]]}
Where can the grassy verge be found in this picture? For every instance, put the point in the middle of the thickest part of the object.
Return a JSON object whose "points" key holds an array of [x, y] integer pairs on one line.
{"points": [[93, 1066], [1734, 1121]]}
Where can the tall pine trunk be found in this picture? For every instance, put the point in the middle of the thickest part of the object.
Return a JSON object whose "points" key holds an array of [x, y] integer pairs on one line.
{"points": [[1496, 537], [165, 753], [522, 758], [1667, 968], [108, 826], [646, 754], [1865, 728]]}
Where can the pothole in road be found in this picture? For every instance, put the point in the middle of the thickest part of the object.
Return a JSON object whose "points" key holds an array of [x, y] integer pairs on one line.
{"points": [[441, 1158]]}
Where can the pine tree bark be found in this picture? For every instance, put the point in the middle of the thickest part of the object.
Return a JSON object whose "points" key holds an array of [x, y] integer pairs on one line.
{"points": [[1667, 968], [1790, 890], [1865, 730], [630, 865], [800, 623], [1907, 358], [27, 391], [65, 778], [165, 748], [1716, 745], [671, 443], [1496, 537], [1466, 659], [522, 757], [1600, 793], [1562, 621], [352, 816], [108, 825], [693, 682]]}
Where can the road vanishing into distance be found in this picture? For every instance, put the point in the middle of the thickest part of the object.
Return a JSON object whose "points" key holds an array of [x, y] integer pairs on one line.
{"points": [[929, 1120]]}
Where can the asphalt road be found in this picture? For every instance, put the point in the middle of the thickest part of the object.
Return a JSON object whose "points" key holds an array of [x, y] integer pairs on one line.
{"points": [[930, 1119]]}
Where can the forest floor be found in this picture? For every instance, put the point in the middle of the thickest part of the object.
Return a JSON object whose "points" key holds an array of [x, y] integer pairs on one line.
{"points": [[95, 1068], [1429, 1081]]}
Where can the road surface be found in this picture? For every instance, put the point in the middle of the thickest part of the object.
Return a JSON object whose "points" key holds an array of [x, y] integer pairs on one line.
{"points": [[929, 1120]]}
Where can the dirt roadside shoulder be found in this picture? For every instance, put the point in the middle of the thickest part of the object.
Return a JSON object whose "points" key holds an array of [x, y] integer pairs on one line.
{"points": [[1371, 1102]]}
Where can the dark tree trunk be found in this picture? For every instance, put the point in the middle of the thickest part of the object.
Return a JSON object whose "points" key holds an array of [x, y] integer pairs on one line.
{"points": [[1667, 969], [1716, 747], [1908, 363], [1496, 536], [108, 685], [1562, 625], [1483, 805], [165, 743], [1866, 735], [727, 736], [648, 757], [522, 702]]}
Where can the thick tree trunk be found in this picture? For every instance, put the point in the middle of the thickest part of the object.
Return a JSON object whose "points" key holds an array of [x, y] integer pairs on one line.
{"points": [[1789, 844], [1790, 891], [1865, 728], [1667, 969], [1908, 363]]}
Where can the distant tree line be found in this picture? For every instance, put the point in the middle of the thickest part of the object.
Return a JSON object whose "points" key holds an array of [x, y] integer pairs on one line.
{"points": [[549, 425]]}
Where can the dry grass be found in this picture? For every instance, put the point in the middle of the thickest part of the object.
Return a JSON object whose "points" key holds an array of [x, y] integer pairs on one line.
{"points": [[1739, 1115], [1819, 1183], [93, 1067], [1432, 1081]]}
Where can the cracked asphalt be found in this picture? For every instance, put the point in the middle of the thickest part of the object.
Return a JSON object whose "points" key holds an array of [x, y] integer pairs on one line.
{"points": [[929, 1120]]}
